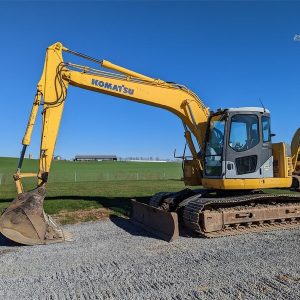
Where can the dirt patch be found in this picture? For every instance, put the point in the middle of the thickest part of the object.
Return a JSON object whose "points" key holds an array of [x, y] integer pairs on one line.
{"points": [[4, 251], [79, 216], [283, 277]]}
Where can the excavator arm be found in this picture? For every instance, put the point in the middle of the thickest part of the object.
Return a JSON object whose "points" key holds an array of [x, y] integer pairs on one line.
{"points": [[58, 76], [25, 221]]}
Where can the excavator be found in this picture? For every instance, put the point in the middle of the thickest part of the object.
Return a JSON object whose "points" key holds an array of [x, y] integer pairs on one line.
{"points": [[231, 156]]}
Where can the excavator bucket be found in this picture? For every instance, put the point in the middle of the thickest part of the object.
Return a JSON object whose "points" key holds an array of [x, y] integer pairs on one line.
{"points": [[25, 221], [156, 221]]}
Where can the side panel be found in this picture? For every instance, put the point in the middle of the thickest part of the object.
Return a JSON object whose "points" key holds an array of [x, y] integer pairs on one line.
{"points": [[265, 171], [282, 161], [247, 184]]}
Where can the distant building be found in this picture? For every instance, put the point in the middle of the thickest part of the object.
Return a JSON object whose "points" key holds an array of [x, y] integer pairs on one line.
{"points": [[57, 157], [95, 157], [145, 159]]}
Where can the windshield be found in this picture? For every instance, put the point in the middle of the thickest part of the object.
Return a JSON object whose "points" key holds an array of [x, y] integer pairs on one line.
{"points": [[244, 133], [214, 146]]}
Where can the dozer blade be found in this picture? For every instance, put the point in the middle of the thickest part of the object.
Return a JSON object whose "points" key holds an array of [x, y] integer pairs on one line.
{"points": [[156, 221], [25, 221]]}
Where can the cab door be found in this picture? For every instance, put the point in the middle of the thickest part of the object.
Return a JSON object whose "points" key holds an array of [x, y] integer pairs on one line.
{"points": [[246, 154]]}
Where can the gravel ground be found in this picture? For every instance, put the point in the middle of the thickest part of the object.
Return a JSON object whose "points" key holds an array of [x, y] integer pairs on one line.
{"points": [[115, 260]]}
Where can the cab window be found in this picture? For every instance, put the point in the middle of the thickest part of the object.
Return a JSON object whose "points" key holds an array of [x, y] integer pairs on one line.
{"points": [[266, 129], [214, 146], [244, 133]]}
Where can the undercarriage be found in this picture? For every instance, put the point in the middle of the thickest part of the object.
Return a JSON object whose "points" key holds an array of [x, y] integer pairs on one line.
{"points": [[215, 214]]}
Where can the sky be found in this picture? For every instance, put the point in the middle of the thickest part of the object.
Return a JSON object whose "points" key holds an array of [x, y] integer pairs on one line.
{"points": [[231, 54]]}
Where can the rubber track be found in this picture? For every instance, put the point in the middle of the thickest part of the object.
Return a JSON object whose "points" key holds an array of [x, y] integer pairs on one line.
{"points": [[156, 199], [192, 211]]}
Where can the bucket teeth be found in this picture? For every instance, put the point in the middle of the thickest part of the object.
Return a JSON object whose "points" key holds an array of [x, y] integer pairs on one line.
{"points": [[25, 221]]}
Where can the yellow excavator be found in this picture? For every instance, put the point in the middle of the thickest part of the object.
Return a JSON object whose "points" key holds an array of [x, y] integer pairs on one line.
{"points": [[232, 158]]}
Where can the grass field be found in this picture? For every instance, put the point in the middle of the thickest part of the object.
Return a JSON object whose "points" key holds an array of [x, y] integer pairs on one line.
{"points": [[68, 171], [105, 185]]}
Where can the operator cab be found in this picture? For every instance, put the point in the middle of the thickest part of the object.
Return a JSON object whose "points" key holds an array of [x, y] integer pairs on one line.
{"points": [[238, 144]]}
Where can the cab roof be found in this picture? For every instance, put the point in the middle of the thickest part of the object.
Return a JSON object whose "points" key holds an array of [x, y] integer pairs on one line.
{"points": [[254, 109]]}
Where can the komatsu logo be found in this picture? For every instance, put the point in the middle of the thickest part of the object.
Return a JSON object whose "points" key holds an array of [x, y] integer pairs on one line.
{"points": [[113, 87]]}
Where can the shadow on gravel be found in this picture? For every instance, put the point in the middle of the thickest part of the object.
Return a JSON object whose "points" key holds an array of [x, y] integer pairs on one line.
{"points": [[130, 227], [136, 230], [6, 242]]}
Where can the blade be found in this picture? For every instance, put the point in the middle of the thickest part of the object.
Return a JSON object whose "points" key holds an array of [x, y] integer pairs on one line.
{"points": [[25, 221], [156, 221]]}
